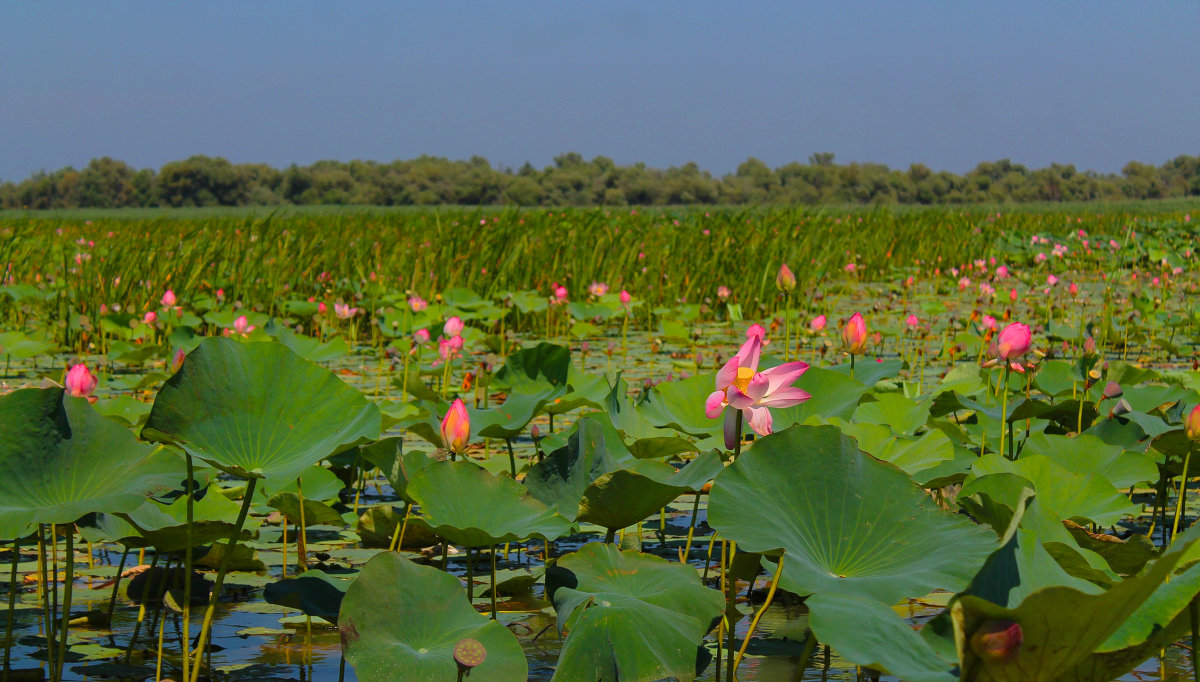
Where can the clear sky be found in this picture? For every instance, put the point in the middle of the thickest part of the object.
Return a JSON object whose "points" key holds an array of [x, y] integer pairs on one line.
{"points": [[948, 84]]}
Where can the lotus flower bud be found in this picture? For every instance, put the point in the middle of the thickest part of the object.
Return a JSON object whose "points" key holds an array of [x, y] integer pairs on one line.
{"points": [[723, 292], [560, 294], [535, 432], [912, 321], [1014, 341], [817, 324], [854, 334], [421, 337], [453, 326], [168, 299], [177, 360], [1192, 423], [80, 382], [785, 280], [150, 317], [1089, 346], [997, 640], [625, 297], [456, 427]]}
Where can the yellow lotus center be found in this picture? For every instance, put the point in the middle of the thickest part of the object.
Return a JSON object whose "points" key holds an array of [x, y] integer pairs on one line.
{"points": [[744, 375]]}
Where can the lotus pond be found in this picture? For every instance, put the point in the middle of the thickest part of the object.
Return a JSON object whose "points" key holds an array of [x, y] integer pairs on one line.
{"points": [[221, 461]]}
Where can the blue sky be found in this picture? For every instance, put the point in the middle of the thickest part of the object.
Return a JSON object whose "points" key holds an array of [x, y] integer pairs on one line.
{"points": [[948, 84]]}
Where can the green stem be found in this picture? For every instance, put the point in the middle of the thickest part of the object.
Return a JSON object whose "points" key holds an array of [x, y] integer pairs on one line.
{"points": [[112, 599], [754, 623], [1004, 410], [44, 585], [220, 581], [470, 577], [12, 605], [493, 582], [512, 459], [185, 643], [1182, 503], [68, 584]]}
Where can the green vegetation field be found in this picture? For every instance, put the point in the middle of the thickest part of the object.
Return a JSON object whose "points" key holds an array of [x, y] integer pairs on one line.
{"points": [[918, 443]]}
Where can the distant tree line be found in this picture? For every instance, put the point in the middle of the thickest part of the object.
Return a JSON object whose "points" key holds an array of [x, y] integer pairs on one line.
{"points": [[572, 180]]}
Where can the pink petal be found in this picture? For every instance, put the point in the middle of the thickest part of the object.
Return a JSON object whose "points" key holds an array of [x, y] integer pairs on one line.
{"points": [[785, 397], [714, 404], [731, 435], [758, 387], [785, 374], [747, 355], [738, 399], [760, 420], [727, 374]]}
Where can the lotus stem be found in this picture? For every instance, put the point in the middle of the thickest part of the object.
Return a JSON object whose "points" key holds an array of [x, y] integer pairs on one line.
{"points": [[493, 582], [12, 605], [220, 581], [68, 584], [398, 540], [53, 642], [470, 578], [1182, 503], [512, 459], [763, 609], [185, 643], [285, 525], [731, 602], [47, 613], [301, 533], [687, 548], [137, 628], [162, 625], [1004, 409], [1194, 617], [610, 536], [852, 365]]}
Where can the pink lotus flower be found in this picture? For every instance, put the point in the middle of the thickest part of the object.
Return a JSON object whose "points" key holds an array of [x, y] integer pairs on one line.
{"points": [[1051, 280], [723, 292], [560, 294], [817, 324], [1012, 295], [456, 427], [242, 326], [344, 311], [150, 317], [756, 331], [1002, 272], [417, 304], [421, 337], [80, 382], [1013, 342], [989, 322], [784, 279], [1192, 423], [453, 326], [597, 289], [740, 385], [854, 334], [177, 360], [322, 309], [912, 321], [1073, 289], [996, 641], [168, 299], [625, 298]]}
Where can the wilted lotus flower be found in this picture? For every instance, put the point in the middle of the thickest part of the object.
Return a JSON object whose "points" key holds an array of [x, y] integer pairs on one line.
{"points": [[453, 326], [456, 427], [997, 640], [80, 382], [784, 279], [854, 334]]}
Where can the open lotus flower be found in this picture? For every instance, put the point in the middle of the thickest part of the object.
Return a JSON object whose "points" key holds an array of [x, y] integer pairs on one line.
{"points": [[740, 385]]}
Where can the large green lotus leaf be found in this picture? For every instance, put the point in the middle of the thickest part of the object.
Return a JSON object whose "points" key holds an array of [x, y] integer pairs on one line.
{"points": [[397, 465], [509, 419], [314, 592], [679, 405], [1057, 378], [1126, 557], [1149, 397], [594, 448], [869, 372], [833, 395], [1089, 455], [1067, 494], [464, 503], [913, 455], [258, 410], [17, 346], [848, 523], [629, 616], [401, 621], [626, 496], [626, 417], [313, 350], [586, 390], [542, 370], [318, 482], [868, 632], [894, 410], [1061, 626], [164, 527], [60, 459], [315, 512]]}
